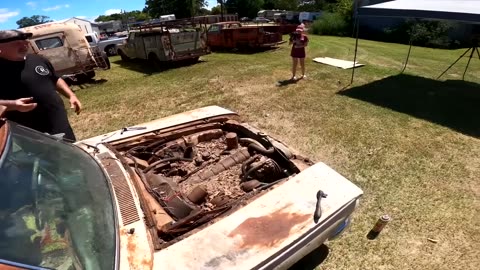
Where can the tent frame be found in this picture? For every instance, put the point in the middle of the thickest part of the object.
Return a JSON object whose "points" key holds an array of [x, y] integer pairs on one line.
{"points": [[356, 27]]}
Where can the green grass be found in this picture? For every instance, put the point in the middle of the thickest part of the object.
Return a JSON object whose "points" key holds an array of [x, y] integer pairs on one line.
{"points": [[409, 141]]}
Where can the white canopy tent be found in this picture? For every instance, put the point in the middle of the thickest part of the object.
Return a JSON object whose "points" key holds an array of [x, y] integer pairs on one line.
{"points": [[455, 10]]}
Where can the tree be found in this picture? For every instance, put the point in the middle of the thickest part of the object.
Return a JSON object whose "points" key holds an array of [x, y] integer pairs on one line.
{"points": [[244, 8], [287, 4], [181, 8], [136, 14], [216, 10], [33, 20]]}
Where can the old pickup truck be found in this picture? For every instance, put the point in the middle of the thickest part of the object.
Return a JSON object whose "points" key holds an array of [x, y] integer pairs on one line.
{"points": [[197, 190], [234, 35], [163, 42], [109, 46]]}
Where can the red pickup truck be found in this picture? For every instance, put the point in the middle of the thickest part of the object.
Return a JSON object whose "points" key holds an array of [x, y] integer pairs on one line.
{"points": [[230, 35]]}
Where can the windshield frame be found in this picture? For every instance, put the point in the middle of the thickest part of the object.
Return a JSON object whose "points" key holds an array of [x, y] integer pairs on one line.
{"points": [[5, 145]]}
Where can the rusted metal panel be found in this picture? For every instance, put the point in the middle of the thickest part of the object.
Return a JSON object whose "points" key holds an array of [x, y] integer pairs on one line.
{"points": [[138, 258], [264, 227], [3, 134]]}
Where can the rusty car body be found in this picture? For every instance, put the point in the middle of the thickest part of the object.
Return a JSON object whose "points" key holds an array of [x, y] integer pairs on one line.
{"points": [[196, 190], [65, 46], [230, 35], [167, 41]]}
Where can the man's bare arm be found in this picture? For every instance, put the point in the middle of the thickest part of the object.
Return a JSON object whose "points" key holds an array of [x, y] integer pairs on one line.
{"points": [[21, 104], [64, 89]]}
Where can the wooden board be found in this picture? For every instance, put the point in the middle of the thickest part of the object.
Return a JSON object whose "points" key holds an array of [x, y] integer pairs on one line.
{"points": [[344, 64]]}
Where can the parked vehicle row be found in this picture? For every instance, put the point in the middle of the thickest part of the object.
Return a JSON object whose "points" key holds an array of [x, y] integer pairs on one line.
{"points": [[76, 56]]}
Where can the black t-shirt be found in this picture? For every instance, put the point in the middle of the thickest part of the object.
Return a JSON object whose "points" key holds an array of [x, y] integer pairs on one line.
{"points": [[35, 77]]}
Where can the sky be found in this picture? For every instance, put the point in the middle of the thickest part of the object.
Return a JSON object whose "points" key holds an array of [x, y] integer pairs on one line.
{"points": [[13, 10]]}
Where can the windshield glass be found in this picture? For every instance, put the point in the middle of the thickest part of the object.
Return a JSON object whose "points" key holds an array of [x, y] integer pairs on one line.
{"points": [[56, 209]]}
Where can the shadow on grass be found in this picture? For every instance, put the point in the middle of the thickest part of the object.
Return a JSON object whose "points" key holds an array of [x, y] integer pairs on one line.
{"points": [[143, 66], [453, 104], [312, 260], [86, 83], [286, 82]]}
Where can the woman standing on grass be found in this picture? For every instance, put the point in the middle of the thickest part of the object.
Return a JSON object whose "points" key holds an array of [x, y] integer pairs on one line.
{"points": [[299, 41]]}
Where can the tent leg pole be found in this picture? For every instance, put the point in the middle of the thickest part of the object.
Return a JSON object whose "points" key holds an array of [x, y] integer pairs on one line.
{"points": [[408, 56], [454, 62], [356, 47], [468, 63]]}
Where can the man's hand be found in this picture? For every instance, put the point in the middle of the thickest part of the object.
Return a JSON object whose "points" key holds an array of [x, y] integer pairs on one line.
{"points": [[75, 104], [22, 105]]}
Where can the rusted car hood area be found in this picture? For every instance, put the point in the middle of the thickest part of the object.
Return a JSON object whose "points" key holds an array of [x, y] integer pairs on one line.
{"points": [[206, 191]]}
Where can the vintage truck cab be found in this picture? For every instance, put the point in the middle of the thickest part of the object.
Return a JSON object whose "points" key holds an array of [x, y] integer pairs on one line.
{"points": [[65, 46]]}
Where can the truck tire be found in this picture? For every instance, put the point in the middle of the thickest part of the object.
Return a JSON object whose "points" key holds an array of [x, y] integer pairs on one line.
{"points": [[123, 56], [83, 77], [107, 60], [90, 74], [154, 61], [111, 50]]}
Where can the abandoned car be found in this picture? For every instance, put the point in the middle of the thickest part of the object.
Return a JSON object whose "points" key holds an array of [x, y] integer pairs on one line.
{"points": [[196, 190], [234, 35]]}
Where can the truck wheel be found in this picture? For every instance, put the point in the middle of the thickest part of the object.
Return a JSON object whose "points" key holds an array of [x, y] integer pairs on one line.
{"points": [[123, 56], [90, 74], [111, 50], [154, 61], [107, 60]]}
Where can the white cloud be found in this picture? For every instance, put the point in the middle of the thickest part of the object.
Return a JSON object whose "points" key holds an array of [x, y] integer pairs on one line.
{"points": [[32, 4], [81, 17], [57, 7], [112, 11], [6, 14]]}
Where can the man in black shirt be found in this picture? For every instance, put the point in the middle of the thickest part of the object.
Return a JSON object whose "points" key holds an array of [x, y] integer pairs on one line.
{"points": [[29, 79]]}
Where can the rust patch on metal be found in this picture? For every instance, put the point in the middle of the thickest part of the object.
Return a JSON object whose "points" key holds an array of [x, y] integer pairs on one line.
{"points": [[128, 210], [3, 134], [136, 259], [268, 231], [9, 267]]}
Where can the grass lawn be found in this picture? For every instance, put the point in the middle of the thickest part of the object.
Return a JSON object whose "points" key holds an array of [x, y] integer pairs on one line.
{"points": [[410, 142]]}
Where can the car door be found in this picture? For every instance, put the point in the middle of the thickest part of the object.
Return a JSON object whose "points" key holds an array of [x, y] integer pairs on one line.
{"points": [[130, 49], [214, 36]]}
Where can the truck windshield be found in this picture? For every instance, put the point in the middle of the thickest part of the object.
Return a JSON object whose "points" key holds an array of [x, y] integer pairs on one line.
{"points": [[56, 209]]}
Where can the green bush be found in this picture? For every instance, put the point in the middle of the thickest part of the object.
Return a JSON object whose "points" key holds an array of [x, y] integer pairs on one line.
{"points": [[422, 33], [330, 24]]}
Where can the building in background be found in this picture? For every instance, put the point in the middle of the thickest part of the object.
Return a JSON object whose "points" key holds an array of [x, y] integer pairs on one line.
{"points": [[87, 26]]}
